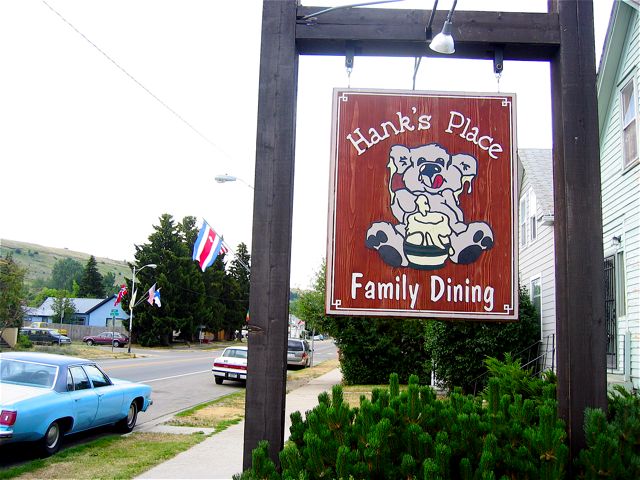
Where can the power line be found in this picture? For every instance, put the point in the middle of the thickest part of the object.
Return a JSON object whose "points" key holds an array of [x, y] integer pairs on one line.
{"points": [[137, 82]]}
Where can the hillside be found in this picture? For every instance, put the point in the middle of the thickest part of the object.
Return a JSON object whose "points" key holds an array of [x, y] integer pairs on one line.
{"points": [[39, 260]]}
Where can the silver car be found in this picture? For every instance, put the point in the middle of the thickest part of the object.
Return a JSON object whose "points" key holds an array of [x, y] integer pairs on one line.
{"points": [[298, 353]]}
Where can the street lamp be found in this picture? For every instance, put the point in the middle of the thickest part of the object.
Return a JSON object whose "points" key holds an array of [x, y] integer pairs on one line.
{"points": [[133, 300], [230, 178]]}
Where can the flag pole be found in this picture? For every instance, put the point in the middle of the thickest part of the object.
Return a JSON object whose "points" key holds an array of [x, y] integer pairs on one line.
{"points": [[246, 267]]}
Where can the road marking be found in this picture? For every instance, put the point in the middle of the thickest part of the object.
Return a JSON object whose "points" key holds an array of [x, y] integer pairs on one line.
{"points": [[153, 362], [173, 376]]}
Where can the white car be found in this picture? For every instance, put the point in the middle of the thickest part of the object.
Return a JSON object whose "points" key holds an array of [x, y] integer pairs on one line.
{"points": [[231, 365]]}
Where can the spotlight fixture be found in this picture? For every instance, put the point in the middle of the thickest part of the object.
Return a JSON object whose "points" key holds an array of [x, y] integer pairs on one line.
{"points": [[443, 42]]}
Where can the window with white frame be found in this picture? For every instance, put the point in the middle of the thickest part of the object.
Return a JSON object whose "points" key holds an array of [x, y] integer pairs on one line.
{"points": [[629, 110], [621, 287], [533, 208], [528, 221], [524, 203], [535, 293]]}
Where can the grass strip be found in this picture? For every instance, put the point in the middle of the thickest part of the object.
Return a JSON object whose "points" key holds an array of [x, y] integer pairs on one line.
{"points": [[229, 410], [112, 457]]}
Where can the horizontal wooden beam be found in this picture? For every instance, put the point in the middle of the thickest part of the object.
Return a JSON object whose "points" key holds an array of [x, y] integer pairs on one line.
{"points": [[401, 33]]}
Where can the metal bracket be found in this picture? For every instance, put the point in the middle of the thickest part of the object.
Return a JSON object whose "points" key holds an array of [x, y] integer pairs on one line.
{"points": [[350, 52], [498, 60]]}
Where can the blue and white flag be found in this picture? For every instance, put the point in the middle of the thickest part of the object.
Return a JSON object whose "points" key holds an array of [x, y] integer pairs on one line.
{"points": [[154, 296]]}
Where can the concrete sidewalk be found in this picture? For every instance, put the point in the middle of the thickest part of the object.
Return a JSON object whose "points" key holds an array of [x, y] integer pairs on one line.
{"points": [[220, 456]]}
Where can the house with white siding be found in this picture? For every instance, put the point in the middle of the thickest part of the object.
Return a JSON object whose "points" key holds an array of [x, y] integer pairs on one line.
{"points": [[536, 265], [618, 110]]}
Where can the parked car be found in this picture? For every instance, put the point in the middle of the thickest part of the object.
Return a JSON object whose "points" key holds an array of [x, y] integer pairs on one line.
{"points": [[44, 397], [231, 365], [298, 353], [107, 338], [47, 336], [62, 331]]}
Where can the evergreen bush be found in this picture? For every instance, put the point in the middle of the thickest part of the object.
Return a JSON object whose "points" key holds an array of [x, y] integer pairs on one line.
{"points": [[415, 435], [613, 440]]}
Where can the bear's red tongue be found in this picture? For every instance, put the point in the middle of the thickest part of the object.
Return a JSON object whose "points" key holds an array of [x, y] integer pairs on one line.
{"points": [[437, 181]]}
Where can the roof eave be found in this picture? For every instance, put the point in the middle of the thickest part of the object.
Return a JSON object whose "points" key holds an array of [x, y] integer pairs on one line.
{"points": [[611, 56]]}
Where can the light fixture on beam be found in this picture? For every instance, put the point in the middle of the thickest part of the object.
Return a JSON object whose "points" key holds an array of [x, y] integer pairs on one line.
{"points": [[443, 42]]}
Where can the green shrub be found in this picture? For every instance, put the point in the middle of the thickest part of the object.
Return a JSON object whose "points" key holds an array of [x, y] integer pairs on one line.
{"points": [[373, 348], [413, 434], [23, 343], [613, 440], [458, 349], [513, 379]]}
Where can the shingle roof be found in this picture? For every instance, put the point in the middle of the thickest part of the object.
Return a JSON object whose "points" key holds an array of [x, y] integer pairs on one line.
{"points": [[82, 305], [538, 168]]}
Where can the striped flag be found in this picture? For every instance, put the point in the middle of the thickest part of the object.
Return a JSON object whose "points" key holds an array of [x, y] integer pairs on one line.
{"points": [[208, 246]]}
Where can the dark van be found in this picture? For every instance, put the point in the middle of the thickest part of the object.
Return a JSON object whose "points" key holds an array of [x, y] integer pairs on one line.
{"points": [[46, 336]]}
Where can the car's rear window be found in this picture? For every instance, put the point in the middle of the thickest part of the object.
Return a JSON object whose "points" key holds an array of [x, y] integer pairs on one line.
{"points": [[235, 353], [295, 346], [30, 374]]}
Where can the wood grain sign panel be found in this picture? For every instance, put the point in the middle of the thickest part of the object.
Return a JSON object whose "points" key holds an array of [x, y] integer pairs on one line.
{"points": [[422, 205]]}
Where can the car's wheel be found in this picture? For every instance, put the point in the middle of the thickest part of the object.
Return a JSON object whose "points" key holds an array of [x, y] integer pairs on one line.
{"points": [[89, 342], [116, 343], [52, 439], [127, 423], [219, 380]]}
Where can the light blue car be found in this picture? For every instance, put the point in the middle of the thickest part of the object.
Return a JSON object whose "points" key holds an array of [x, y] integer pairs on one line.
{"points": [[44, 397]]}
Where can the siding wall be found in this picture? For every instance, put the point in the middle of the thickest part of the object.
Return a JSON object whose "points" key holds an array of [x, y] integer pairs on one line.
{"points": [[621, 199], [538, 259]]}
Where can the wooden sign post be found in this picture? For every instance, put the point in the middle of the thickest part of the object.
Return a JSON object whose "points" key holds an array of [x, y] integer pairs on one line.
{"points": [[564, 38], [422, 208]]}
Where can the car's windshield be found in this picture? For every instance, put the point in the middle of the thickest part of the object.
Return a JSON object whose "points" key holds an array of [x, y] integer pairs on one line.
{"points": [[32, 374]]}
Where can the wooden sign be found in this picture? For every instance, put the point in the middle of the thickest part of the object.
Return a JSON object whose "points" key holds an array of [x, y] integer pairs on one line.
{"points": [[422, 205]]}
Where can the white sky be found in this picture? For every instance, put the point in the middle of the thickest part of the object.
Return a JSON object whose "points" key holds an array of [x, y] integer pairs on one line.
{"points": [[89, 160]]}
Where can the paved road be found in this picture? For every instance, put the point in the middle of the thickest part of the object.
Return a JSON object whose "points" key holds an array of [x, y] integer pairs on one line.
{"points": [[180, 379]]}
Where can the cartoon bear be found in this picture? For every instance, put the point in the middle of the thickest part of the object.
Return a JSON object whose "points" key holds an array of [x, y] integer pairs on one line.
{"points": [[425, 184]]}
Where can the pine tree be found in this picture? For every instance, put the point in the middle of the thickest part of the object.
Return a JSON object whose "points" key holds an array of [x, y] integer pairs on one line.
{"points": [[237, 289], [203, 290], [181, 297], [12, 292], [91, 285]]}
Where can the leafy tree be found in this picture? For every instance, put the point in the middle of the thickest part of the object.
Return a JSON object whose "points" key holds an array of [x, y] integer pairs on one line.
{"points": [[459, 349], [12, 293], [109, 284], [42, 295], [63, 307], [309, 305], [91, 285], [65, 272]]}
